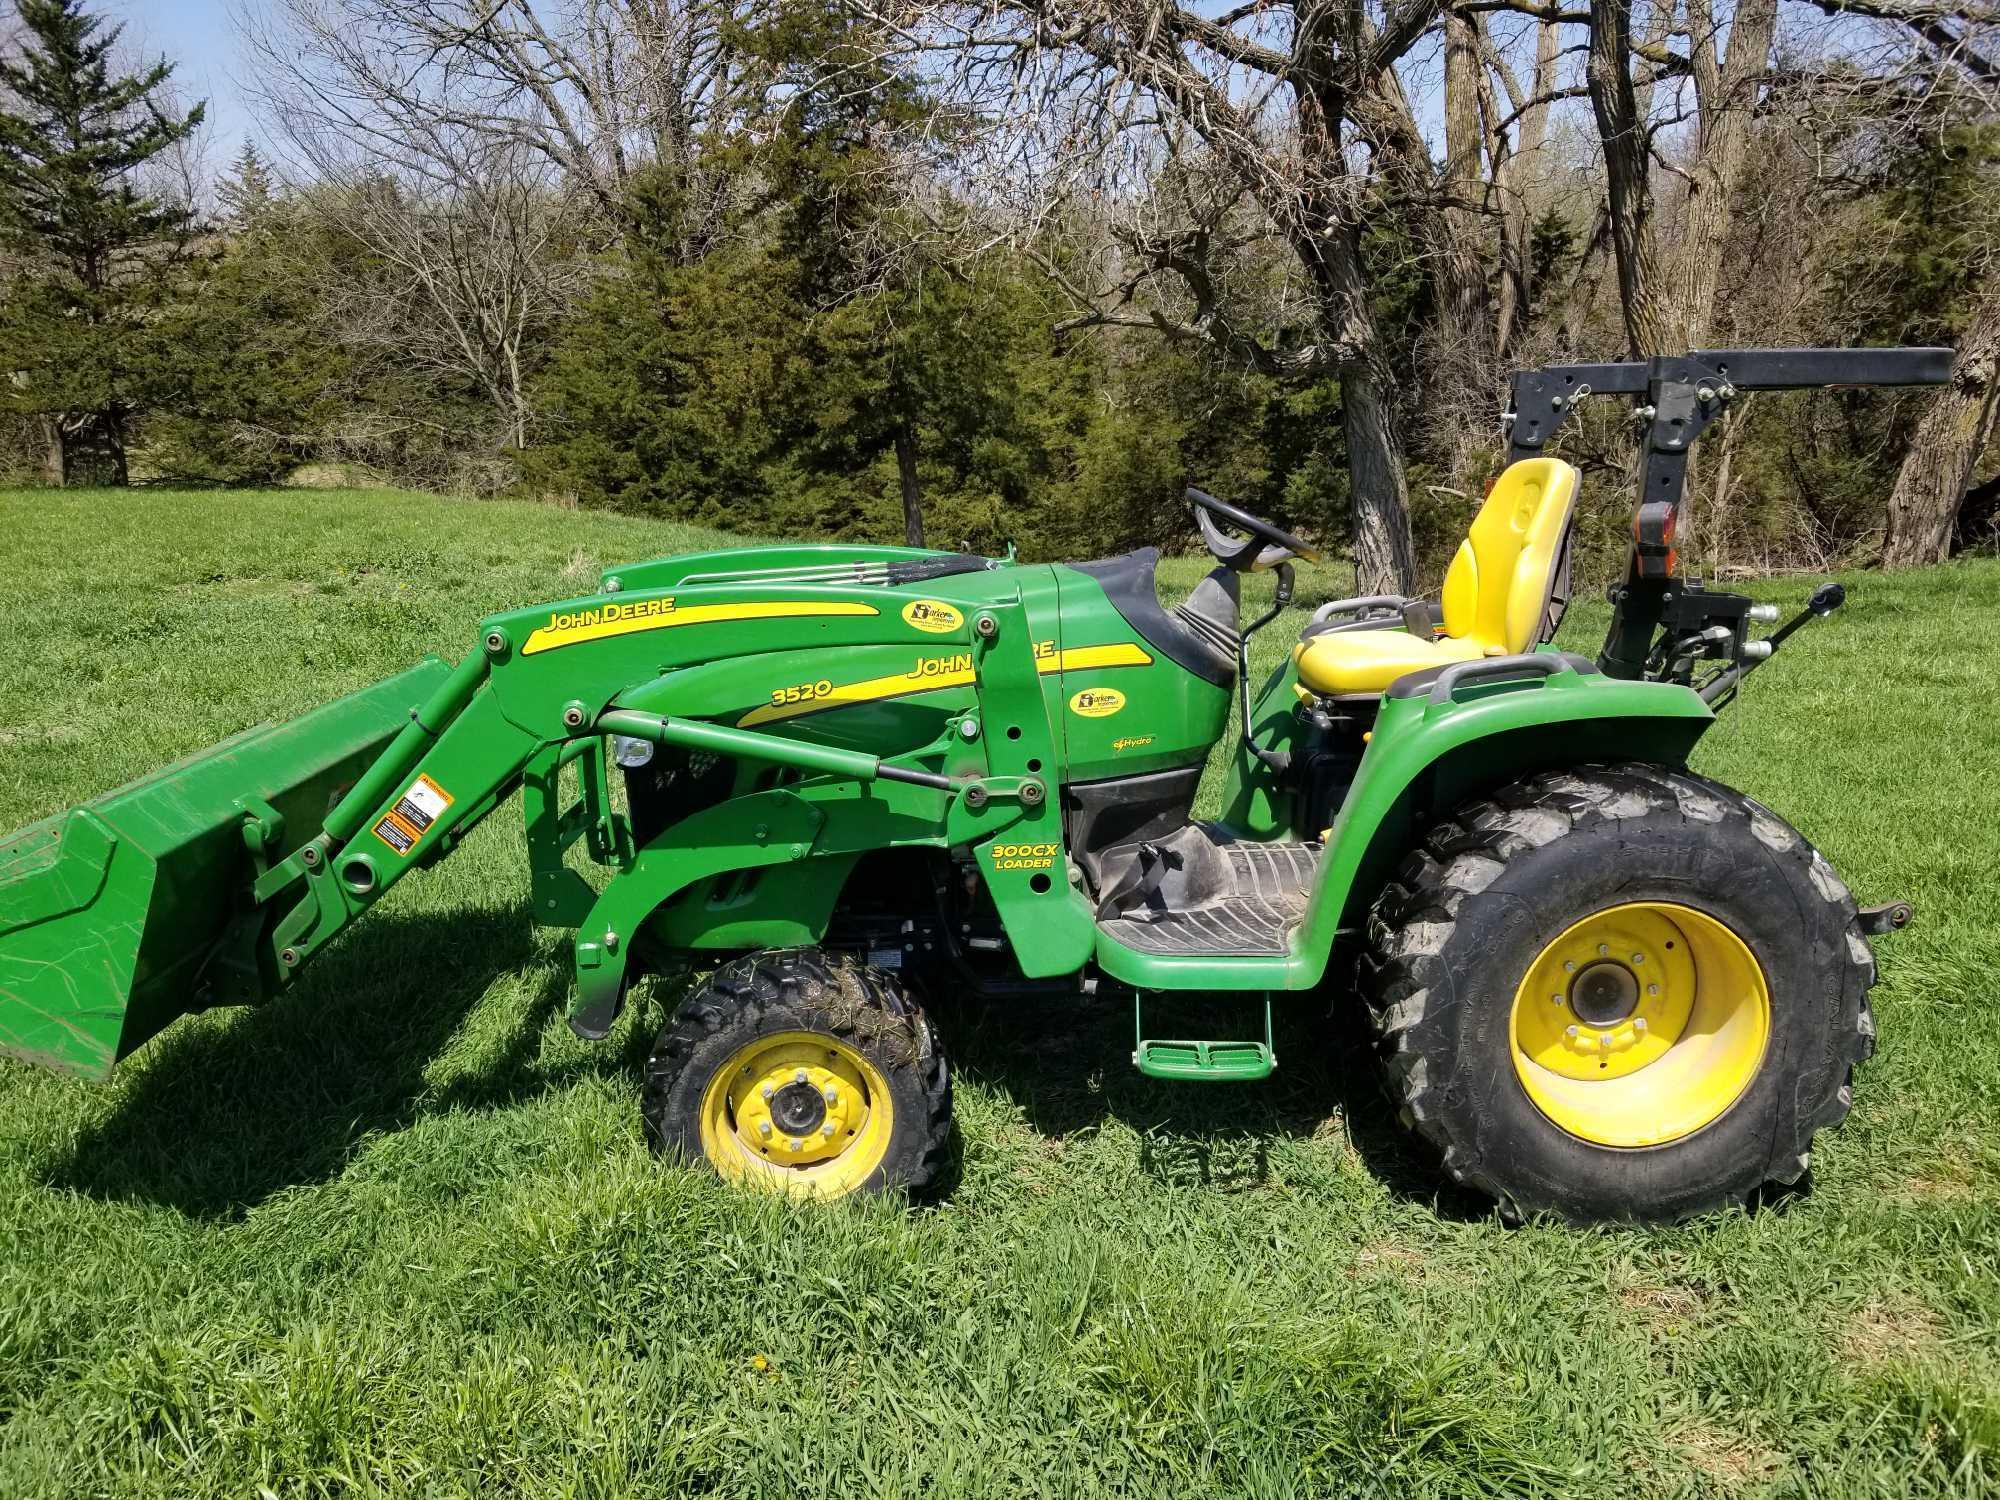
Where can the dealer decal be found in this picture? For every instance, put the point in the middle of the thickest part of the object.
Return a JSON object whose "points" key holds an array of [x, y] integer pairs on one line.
{"points": [[932, 615], [598, 622], [1097, 703]]}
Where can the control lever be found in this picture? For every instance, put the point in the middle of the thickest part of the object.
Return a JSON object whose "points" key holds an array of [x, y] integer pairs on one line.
{"points": [[1279, 761]]}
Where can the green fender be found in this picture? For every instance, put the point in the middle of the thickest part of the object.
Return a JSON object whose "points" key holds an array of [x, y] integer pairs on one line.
{"points": [[766, 828], [1424, 759]]}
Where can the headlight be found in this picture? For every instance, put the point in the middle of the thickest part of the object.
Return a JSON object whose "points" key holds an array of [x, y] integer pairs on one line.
{"points": [[631, 753]]}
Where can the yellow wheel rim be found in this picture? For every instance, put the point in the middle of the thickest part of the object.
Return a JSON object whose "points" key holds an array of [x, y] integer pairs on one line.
{"points": [[1641, 1024], [799, 1113]]}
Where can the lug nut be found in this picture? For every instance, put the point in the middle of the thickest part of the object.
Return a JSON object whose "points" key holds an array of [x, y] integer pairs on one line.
{"points": [[800, 1076], [764, 1129], [1572, 1033], [1604, 950], [827, 1130], [795, 1144], [1638, 958], [1638, 1023], [768, 1091], [1555, 999], [1652, 989], [1569, 966], [832, 1095]]}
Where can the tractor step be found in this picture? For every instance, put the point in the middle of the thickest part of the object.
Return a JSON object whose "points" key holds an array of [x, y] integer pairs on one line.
{"points": [[1202, 1061], [1203, 892]]}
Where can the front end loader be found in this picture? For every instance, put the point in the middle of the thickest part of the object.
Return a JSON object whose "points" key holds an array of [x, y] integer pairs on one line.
{"points": [[836, 780]]}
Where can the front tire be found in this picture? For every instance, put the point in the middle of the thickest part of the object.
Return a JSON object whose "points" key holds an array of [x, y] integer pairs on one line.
{"points": [[1619, 993], [803, 1073]]}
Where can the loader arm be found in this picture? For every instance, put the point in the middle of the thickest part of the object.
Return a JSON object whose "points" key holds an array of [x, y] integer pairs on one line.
{"points": [[287, 846]]}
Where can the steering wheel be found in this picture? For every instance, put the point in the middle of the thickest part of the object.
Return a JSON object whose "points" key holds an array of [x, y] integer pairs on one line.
{"points": [[1268, 545]]}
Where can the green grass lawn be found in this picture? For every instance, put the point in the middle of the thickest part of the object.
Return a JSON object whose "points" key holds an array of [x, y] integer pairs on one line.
{"points": [[399, 1232]]}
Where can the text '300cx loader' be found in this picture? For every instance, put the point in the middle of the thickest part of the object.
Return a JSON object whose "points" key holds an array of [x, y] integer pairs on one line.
{"points": [[1604, 987]]}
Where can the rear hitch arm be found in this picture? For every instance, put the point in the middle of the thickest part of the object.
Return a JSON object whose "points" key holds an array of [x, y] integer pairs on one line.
{"points": [[1751, 655]]}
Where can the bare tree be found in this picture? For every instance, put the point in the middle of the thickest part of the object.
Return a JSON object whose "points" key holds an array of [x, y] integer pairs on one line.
{"points": [[1513, 158], [1233, 163], [464, 280], [1954, 432], [1697, 132], [597, 89]]}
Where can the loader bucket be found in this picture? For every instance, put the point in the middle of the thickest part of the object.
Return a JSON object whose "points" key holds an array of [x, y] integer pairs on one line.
{"points": [[111, 914]]}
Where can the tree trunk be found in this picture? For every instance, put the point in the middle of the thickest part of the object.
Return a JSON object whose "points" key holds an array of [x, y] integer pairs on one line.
{"points": [[1726, 96], [1510, 167], [1385, 556], [114, 445], [1621, 130], [55, 465], [1936, 472], [906, 470], [1466, 328]]}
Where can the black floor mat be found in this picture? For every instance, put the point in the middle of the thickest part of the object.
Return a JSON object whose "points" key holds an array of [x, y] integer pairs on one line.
{"points": [[1208, 893]]}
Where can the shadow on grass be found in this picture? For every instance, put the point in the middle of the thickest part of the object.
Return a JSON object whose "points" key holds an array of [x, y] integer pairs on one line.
{"points": [[217, 1117], [1067, 1063]]}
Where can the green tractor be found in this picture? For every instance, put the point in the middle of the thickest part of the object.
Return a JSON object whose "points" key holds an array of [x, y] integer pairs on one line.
{"points": [[1604, 987]]}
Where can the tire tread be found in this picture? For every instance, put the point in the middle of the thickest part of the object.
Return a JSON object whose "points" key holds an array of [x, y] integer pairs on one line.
{"points": [[1412, 922]]}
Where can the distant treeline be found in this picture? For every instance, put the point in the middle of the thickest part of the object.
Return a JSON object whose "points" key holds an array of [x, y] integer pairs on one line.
{"points": [[823, 281]]}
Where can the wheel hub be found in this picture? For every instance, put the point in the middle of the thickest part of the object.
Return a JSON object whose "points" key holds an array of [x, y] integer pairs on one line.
{"points": [[798, 1109], [799, 1112], [1640, 1024], [1604, 994]]}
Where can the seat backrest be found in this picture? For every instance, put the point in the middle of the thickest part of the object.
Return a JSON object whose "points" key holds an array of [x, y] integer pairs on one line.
{"points": [[1497, 589]]}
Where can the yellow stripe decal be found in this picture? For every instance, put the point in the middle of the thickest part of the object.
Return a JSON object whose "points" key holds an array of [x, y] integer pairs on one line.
{"points": [[907, 684], [872, 690], [604, 621], [1085, 658]]}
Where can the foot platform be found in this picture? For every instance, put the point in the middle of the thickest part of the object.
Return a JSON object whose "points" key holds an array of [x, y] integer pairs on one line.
{"points": [[1202, 1061]]}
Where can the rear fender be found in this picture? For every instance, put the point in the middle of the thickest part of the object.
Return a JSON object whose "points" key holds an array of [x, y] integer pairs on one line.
{"points": [[1426, 758], [1423, 759]]}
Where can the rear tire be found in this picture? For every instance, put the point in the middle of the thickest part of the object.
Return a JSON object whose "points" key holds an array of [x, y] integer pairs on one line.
{"points": [[804, 1073], [1509, 986]]}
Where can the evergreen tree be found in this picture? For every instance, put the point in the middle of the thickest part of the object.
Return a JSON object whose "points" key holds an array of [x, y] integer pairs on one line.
{"points": [[245, 195], [99, 257]]}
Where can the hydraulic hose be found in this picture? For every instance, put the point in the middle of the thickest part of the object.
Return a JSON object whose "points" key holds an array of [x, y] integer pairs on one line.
{"points": [[393, 764]]}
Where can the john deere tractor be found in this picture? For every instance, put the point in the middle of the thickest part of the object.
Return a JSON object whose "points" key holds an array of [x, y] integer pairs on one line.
{"points": [[855, 777]]}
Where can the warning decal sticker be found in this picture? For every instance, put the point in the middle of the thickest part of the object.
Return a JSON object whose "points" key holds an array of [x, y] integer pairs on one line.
{"points": [[410, 819]]}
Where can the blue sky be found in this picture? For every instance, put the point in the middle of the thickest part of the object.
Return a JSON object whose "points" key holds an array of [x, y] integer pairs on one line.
{"points": [[195, 35]]}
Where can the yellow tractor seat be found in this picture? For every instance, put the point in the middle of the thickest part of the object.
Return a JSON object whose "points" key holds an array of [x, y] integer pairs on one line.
{"points": [[1496, 593]]}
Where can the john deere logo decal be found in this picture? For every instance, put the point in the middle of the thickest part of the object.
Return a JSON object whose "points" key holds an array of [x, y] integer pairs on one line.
{"points": [[1097, 703], [932, 615], [596, 622]]}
